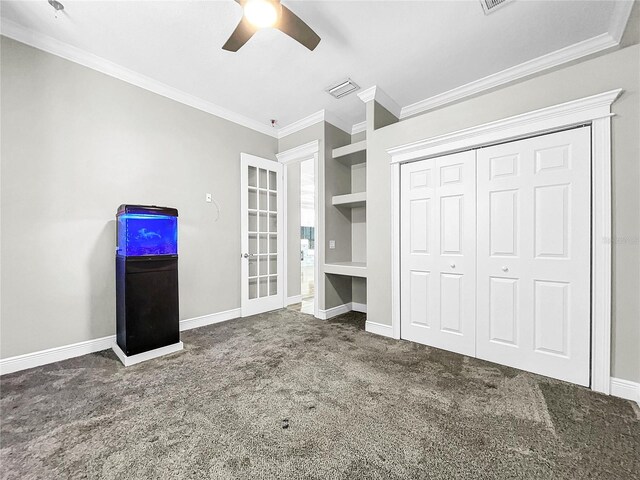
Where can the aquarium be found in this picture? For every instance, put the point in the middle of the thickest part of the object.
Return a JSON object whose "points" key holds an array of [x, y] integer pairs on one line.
{"points": [[142, 234]]}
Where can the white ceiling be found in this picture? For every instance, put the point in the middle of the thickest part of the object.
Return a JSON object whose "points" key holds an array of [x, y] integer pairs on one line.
{"points": [[410, 49]]}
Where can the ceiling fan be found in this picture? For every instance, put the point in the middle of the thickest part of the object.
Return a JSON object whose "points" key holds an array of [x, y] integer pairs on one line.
{"points": [[259, 14]]}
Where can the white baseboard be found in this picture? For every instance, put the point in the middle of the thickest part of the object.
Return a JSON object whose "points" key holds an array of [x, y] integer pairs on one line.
{"points": [[197, 322], [294, 300], [43, 357], [129, 360], [625, 389], [334, 312], [340, 309], [359, 307], [379, 329], [56, 354]]}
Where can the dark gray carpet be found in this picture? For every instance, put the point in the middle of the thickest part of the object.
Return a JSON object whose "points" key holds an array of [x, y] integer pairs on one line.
{"points": [[356, 405]]}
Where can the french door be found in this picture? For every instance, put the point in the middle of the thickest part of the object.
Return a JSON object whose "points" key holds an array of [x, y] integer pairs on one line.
{"points": [[495, 253], [262, 243]]}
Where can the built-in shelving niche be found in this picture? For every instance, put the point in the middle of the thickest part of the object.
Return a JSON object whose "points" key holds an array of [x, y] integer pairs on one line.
{"points": [[354, 157]]}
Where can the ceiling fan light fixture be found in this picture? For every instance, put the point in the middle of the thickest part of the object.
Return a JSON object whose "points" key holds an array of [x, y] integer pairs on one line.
{"points": [[261, 13]]}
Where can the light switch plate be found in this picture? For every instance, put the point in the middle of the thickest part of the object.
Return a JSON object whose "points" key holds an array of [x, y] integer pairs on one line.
{"points": [[208, 197], [332, 244]]}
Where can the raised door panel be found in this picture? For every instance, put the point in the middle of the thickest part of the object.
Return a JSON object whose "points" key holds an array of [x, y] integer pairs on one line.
{"points": [[418, 298], [552, 221], [503, 223], [551, 317], [420, 217], [503, 311], [451, 224], [451, 301]]}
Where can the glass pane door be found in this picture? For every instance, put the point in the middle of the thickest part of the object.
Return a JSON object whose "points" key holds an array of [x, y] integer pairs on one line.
{"points": [[263, 242]]}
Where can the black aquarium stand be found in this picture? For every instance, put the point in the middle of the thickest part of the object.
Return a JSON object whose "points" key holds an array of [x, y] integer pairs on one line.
{"points": [[147, 312], [147, 303]]}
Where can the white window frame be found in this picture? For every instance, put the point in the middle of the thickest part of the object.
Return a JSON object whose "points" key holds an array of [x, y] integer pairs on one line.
{"points": [[594, 110]]}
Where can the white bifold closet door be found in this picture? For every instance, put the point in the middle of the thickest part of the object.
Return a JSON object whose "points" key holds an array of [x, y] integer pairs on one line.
{"points": [[438, 218], [533, 255]]}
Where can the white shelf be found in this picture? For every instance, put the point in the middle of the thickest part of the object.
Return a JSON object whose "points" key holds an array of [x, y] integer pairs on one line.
{"points": [[351, 269], [352, 154], [350, 200]]}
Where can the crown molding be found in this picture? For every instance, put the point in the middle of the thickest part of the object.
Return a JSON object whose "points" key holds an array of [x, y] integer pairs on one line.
{"points": [[301, 124], [367, 94], [319, 116], [302, 152], [359, 127], [51, 45], [620, 18], [544, 62], [545, 119], [377, 94]]}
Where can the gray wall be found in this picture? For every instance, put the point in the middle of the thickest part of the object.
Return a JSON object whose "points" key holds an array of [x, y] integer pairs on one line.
{"points": [[620, 69], [75, 145]]}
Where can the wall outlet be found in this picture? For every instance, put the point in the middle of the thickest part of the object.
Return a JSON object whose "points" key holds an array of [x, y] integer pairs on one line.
{"points": [[208, 197], [332, 244]]}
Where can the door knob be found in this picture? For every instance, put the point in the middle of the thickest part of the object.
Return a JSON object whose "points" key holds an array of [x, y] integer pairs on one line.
{"points": [[247, 255], [453, 265], [505, 269]]}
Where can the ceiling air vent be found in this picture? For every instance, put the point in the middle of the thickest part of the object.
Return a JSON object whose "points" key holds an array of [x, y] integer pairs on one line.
{"points": [[490, 5], [343, 88]]}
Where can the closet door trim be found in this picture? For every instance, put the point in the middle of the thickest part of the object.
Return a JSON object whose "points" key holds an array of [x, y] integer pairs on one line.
{"points": [[594, 110]]}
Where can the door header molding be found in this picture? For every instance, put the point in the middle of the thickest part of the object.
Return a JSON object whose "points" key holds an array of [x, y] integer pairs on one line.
{"points": [[299, 153], [538, 121]]}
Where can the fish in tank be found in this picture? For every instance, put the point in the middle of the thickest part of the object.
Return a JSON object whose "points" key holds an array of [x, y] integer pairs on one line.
{"points": [[141, 234]]}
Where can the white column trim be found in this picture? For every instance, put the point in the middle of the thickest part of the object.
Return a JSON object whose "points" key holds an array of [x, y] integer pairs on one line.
{"points": [[285, 242], [601, 254], [395, 249], [318, 205], [377, 94], [595, 110]]}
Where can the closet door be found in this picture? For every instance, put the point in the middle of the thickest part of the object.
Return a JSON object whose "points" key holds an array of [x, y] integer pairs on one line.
{"points": [[438, 252], [534, 254]]}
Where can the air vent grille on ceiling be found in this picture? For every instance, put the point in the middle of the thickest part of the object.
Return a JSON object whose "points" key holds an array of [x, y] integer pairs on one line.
{"points": [[490, 5], [343, 88]]}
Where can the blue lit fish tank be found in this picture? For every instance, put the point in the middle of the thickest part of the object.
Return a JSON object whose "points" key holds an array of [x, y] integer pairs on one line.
{"points": [[146, 231]]}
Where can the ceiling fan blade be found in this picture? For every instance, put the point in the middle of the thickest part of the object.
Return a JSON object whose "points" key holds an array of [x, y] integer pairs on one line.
{"points": [[241, 35], [293, 26]]}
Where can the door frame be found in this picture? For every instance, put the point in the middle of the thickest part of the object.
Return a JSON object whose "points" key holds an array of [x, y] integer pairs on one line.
{"points": [[307, 151], [279, 299], [594, 110]]}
